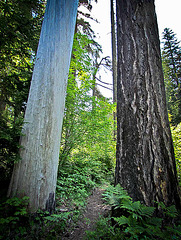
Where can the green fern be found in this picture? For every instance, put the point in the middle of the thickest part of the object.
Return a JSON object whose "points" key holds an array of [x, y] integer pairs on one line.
{"points": [[138, 221], [114, 196], [170, 211], [153, 222], [58, 217], [146, 211], [131, 206], [122, 220]]}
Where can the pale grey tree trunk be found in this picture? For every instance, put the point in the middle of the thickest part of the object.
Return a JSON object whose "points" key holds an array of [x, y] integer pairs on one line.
{"points": [[145, 156], [35, 175]]}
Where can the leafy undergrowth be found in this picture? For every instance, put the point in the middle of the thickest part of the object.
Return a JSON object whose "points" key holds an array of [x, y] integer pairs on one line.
{"points": [[176, 136], [132, 220], [75, 183], [17, 223], [76, 180]]}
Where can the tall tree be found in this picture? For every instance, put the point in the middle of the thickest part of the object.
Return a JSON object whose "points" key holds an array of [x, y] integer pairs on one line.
{"points": [[114, 60], [114, 51], [35, 175], [145, 156], [171, 56]]}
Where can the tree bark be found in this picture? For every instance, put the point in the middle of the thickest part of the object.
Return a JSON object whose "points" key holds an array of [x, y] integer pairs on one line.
{"points": [[145, 156], [114, 64], [114, 53], [35, 175]]}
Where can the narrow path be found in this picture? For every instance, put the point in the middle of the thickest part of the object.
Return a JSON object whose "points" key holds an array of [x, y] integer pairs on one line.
{"points": [[94, 209]]}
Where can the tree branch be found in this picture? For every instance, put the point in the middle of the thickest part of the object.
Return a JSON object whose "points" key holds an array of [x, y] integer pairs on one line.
{"points": [[104, 87]]}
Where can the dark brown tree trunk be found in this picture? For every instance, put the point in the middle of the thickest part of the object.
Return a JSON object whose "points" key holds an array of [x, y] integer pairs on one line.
{"points": [[114, 63], [145, 156], [114, 52]]}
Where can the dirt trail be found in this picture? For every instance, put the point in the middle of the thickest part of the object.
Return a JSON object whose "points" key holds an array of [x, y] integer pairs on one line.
{"points": [[94, 209]]}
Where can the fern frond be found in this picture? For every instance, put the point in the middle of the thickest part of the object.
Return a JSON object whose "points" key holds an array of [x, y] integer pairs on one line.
{"points": [[122, 220], [135, 231], [128, 205], [146, 211], [171, 211], [154, 221], [58, 217], [115, 195]]}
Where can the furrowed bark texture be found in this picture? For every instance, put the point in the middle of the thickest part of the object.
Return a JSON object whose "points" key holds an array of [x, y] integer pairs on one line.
{"points": [[35, 175], [145, 156]]}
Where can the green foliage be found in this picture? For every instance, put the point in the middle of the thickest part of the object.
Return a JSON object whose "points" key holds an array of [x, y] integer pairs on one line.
{"points": [[73, 184], [176, 136], [87, 149], [12, 213], [171, 59], [168, 211], [17, 223], [58, 217], [20, 24], [115, 195], [10, 132], [88, 122], [75, 181], [104, 230], [134, 220]]}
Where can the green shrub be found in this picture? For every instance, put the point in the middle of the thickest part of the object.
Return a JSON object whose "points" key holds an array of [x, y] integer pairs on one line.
{"points": [[17, 223]]}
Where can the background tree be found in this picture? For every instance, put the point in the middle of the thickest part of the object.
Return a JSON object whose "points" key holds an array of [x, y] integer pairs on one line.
{"points": [[145, 157], [114, 51], [114, 58], [171, 56]]}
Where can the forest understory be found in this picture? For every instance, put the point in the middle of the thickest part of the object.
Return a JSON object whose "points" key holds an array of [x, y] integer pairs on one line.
{"points": [[94, 209]]}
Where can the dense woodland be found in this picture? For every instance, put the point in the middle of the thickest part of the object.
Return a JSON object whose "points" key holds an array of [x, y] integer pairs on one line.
{"points": [[132, 154]]}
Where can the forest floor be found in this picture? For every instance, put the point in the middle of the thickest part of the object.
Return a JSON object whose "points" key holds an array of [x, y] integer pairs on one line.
{"points": [[95, 208]]}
